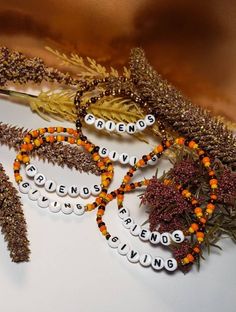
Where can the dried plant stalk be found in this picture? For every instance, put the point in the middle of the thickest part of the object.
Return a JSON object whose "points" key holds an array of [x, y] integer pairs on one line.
{"points": [[17, 68], [179, 113], [12, 221], [57, 153]]}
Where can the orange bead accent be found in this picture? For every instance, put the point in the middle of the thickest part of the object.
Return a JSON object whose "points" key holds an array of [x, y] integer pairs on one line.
{"points": [[210, 206], [51, 130], [195, 226], [104, 232], [26, 159], [200, 235], [191, 144], [19, 157], [30, 147], [51, 139], [203, 220], [194, 202], [196, 249], [160, 148], [190, 257], [206, 160], [101, 212], [102, 228], [213, 181], [18, 178], [24, 147], [27, 139], [59, 129], [180, 140], [200, 152], [213, 196], [70, 131], [211, 173]]}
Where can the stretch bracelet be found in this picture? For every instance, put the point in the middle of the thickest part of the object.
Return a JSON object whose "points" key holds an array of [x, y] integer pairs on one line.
{"points": [[200, 216], [36, 138]]}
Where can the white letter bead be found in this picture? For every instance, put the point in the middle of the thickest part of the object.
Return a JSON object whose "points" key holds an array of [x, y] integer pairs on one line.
{"points": [[132, 160], [24, 187], [128, 222], [141, 124], [39, 179], [123, 249], [155, 237], [31, 170], [150, 120], [73, 191], [61, 190], [177, 236], [34, 194], [165, 239], [110, 126], [113, 242], [85, 192], [158, 263], [99, 124], [153, 161], [50, 186], [43, 202], [96, 189], [54, 206], [124, 158], [133, 256], [135, 229], [103, 151], [120, 127], [171, 264], [79, 210], [114, 156], [66, 208], [131, 128], [145, 260], [123, 213], [144, 234], [89, 119]]}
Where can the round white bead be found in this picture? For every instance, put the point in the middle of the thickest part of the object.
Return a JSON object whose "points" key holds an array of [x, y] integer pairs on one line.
{"points": [[96, 189], [43, 202], [133, 256], [158, 263], [123, 213], [120, 127], [153, 161], [149, 119], [141, 124], [133, 160], [177, 236], [110, 126], [144, 234], [54, 206], [114, 156], [99, 124], [61, 190], [73, 191], [39, 179], [123, 249], [128, 222], [31, 170], [145, 260], [131, 128], [89, 119], [171, 264], [24, 187], [50, 186], [103, 151], [113, 242], [165, 239], [85, 192], [124, 158], [79, 210], [67, 208], [155, 238], [34, 194], [135, 229]]}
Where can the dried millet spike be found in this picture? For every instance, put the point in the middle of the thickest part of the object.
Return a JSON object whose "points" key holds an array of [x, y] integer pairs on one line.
{"points": [[178, 113], [57, 153], [12, 221], [17, 68]]}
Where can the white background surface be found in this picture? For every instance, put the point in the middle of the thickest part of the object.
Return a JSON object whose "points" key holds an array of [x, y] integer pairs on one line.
{"points": [[73, 269]]}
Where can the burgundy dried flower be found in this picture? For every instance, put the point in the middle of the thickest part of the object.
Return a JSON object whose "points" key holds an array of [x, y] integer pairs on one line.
{"points": [[185, 171], [227, 187], [166, 203]]}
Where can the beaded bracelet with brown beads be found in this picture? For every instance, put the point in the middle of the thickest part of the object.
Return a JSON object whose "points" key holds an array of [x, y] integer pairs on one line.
{"points": [[200, 217]]}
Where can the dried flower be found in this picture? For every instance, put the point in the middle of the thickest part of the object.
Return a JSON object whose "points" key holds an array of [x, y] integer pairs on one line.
{"points": [[227, 187], [166, 203], [12, 221]]}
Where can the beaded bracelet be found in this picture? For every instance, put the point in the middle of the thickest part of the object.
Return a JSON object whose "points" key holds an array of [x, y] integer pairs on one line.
{"points": [[36, 138], [149, 120], [200, 216]]}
